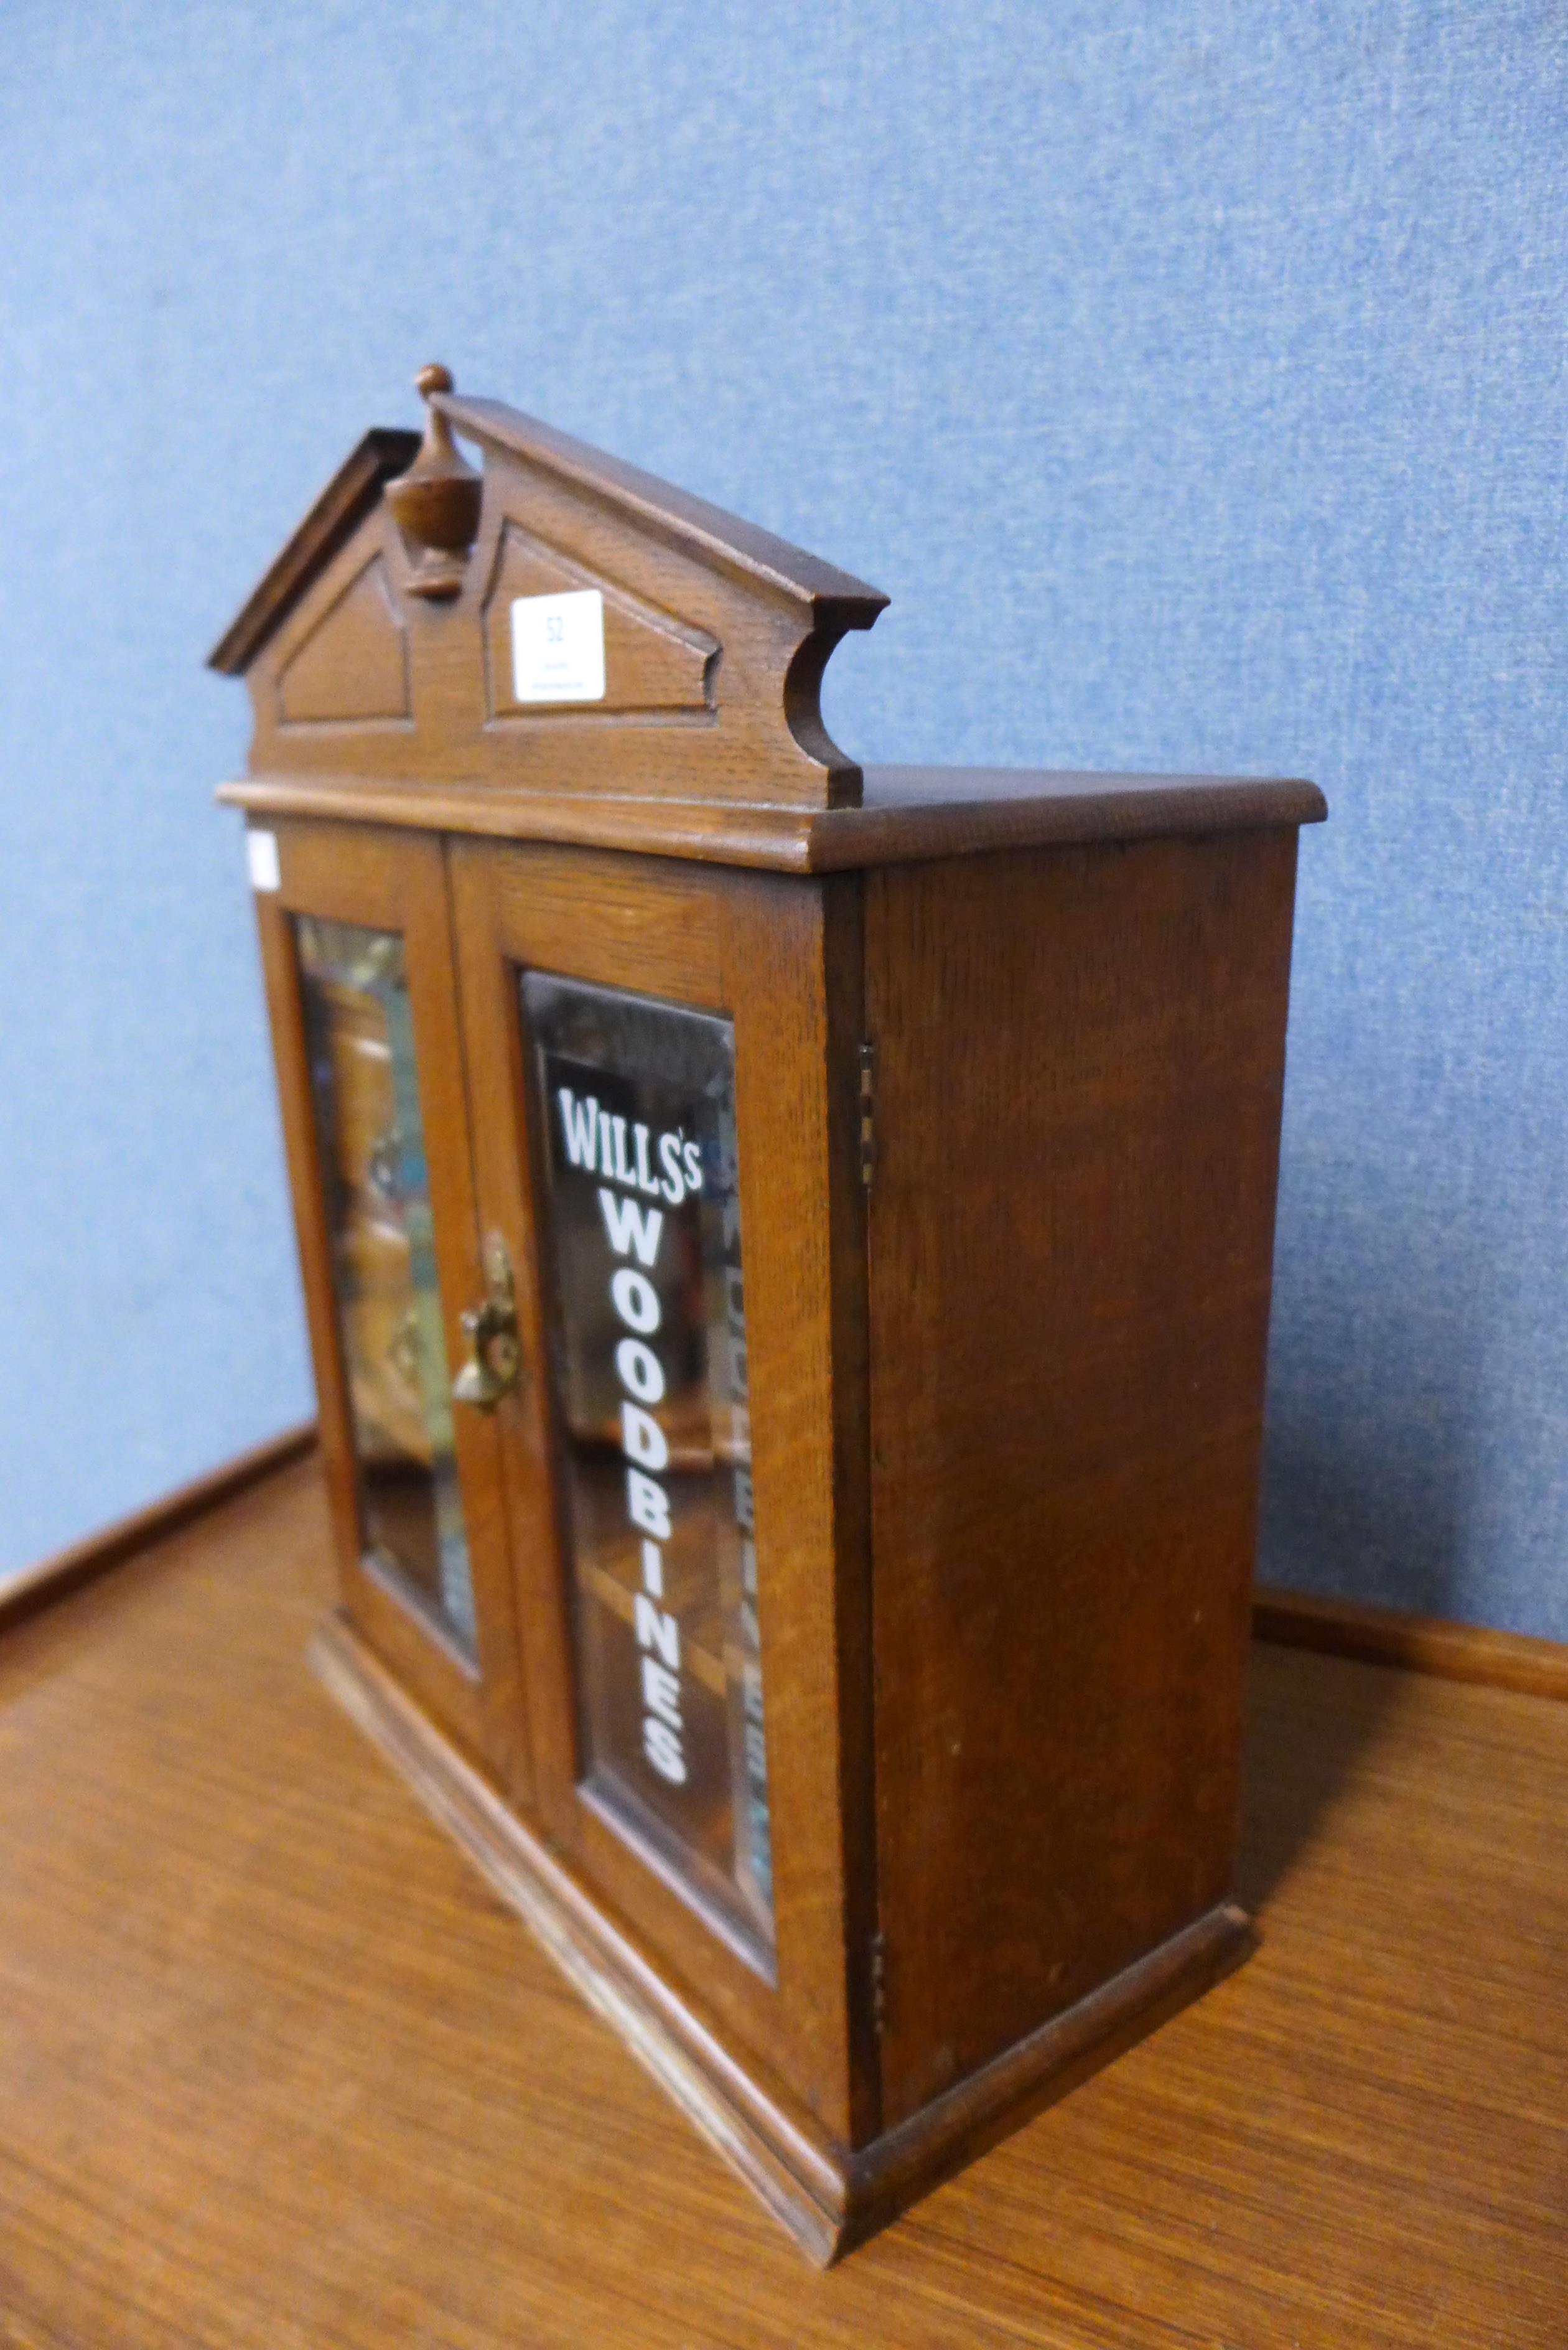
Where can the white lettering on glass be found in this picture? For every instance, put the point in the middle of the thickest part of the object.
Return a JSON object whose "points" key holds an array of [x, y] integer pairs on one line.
{"points": [[661, 1692], [657, 1633], [633, 1230], [667, 1167], [647, 1504], [642, 1438], [640, 1370], [660, 1166], [636, 1300], [580, 1123]]}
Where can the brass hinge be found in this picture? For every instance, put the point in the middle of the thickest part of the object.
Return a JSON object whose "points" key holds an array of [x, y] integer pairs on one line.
{"points": [[868, 1113], [878, 1984]]}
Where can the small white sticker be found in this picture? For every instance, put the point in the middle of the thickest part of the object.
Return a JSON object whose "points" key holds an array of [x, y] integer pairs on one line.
{"points": [[558, 646], [261, 854]]}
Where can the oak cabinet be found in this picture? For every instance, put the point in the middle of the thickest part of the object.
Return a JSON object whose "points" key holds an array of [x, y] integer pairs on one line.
{"points": [[787, 1256]]}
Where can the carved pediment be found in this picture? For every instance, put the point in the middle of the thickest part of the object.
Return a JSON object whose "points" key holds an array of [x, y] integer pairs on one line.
{"points": [[404, 635], [653, 662], [353, 664]]}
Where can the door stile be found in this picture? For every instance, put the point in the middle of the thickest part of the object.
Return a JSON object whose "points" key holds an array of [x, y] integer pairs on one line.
{"points": [[844, 941], [798, 951], [505, 1178]]}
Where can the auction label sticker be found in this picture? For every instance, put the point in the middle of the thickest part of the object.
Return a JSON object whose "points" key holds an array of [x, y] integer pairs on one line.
{"points": [[558, 646], [261, 855]]}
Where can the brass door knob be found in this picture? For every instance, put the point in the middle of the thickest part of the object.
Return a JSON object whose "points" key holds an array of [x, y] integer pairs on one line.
{"points": [[494, 1358]]}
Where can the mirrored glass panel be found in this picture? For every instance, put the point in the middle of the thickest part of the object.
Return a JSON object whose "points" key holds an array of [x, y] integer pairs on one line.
{"points": [[370, 1139], [637, 1107]]}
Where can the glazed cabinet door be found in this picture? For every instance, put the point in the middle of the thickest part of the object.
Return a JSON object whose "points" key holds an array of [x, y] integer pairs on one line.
{"points": [[356, 944], [662, 1062]]}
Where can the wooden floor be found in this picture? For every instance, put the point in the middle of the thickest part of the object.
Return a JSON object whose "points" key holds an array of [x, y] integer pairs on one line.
{"points": [[276, 2070]]}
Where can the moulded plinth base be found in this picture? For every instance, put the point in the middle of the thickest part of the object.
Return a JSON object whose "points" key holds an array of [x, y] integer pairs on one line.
{"points": [[829, 2197]]}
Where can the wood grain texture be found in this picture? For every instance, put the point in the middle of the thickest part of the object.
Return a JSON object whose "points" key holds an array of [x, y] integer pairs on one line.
{"points": [[793, 964], [910, 813], [1426, 1644], [615, 920], [652, 662], [277, 2067], [721, 541], [715, 643], [1080, 1054], [353, 666]]}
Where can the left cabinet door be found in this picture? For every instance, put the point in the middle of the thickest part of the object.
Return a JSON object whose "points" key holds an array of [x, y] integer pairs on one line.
{"points": [[356, 947]]}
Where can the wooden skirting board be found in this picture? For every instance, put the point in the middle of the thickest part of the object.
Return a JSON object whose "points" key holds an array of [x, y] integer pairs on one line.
{"points": [[1424, 1644], [38, 1586]]}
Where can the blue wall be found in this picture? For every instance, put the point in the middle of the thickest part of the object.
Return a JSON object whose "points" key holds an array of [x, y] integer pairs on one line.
{"points": [[1191, 375]]}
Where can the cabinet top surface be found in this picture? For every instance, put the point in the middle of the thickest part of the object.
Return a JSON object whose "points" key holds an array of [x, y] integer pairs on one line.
{"points": [[905, 813], [556, 645]]}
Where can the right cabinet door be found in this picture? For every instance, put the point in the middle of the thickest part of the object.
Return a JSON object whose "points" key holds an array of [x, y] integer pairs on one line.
{"points": [[664, 1136]]}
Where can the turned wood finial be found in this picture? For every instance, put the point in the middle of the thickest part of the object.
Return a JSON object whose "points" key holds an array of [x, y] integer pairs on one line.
{"points": [[436, 503]]}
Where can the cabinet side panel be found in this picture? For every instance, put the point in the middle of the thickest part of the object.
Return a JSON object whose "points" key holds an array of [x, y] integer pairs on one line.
{"points": [[1080, 1058]]}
